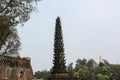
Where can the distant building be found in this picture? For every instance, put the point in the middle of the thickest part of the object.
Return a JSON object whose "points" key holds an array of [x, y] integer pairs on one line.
{"points": [[101, 60]]}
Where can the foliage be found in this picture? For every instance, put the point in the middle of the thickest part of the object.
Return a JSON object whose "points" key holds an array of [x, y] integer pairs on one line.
{"points": [[76, 75], [82, 71], [102, 77], [10, 43], [105, 70], [70, 69], [79, 63], [101, 64], [106, 62], [42, 74], [9, 40], [19, 10], [5, 25], [115, 69], [13, 12]]}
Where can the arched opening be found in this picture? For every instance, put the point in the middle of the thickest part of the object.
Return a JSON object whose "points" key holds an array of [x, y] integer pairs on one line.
{"points": [[21, 74]]}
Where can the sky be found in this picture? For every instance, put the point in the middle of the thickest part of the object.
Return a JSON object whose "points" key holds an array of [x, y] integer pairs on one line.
{"points": [[91, 28]]}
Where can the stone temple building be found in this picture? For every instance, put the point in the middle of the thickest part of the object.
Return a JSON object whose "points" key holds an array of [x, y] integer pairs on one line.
{"points": [[59, 71], [15, 68]]}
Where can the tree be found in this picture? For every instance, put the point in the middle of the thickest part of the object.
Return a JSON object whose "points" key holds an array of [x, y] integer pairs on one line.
{"points": [[103, 73], [102, 77], [84, 61], [5, 29], [42, 74], [91, 63], [70, 69], [13, 12], [12, 44], [106, 62], [115, 69], [9, 41], [80, 63], [19, 10], [76, 75], [83, 73]]}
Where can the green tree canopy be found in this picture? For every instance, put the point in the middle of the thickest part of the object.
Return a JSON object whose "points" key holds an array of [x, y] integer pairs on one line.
{"points": [[13, 12], [102, 77], [70, 69], [83, 73], [103, 72], [42, 74], [18, 10], [115, 69]]}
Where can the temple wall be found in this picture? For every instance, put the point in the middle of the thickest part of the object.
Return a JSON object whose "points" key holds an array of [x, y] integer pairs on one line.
{"points": [[15, 68]]}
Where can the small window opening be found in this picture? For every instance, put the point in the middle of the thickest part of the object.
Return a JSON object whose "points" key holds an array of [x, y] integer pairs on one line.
{"points": [[21, 74]]}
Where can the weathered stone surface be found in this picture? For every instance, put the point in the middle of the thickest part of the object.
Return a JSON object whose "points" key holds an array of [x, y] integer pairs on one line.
{"points": [[15, 68], [59, 71]]}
